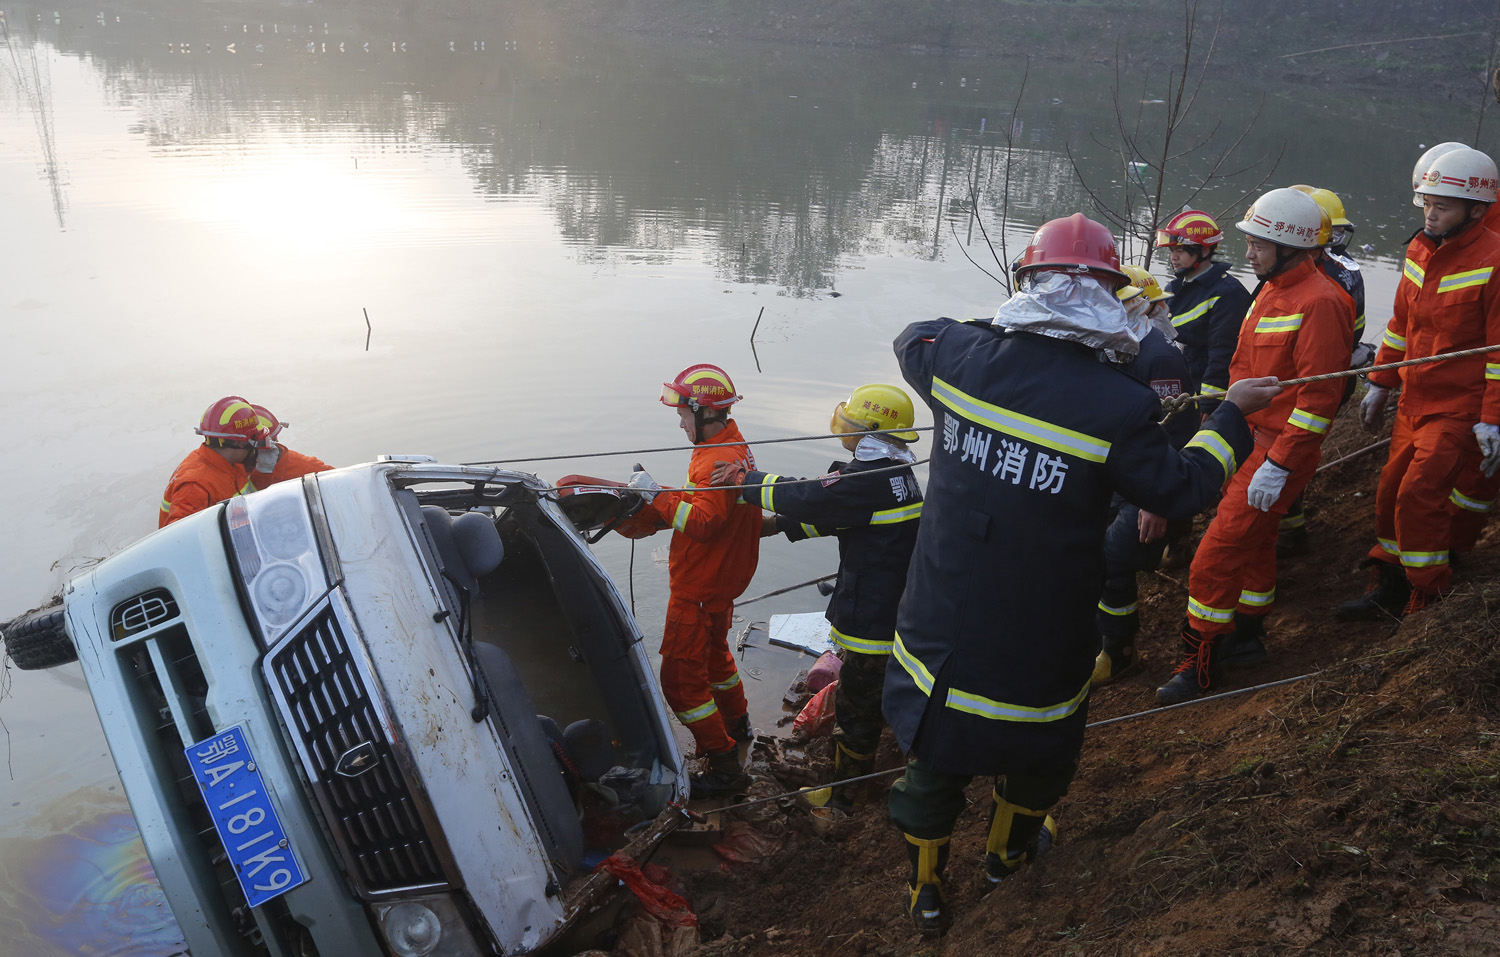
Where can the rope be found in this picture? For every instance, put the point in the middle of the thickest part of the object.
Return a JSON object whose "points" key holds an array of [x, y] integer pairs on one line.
{"points": [[783, 591], [1093, 724], [688, 448], [720, 488]]}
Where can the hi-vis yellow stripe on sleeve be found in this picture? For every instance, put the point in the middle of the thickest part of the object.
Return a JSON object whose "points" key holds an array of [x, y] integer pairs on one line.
{"points": [[680, 517], [1211, 390], [1279, 323], [890, 516], [864, 646], [768, 492], [1194, 313], [1414, 273], [1463, 280], [166, 506], [1392, 341], [1304, 419], [1492, 370], [977, 704], [1213, 443], [1021, 426]]}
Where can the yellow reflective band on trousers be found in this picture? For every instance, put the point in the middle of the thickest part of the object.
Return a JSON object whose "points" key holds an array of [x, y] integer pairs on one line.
{"points": [[1424, 559], [1257, 599], [1293, 521], [767, 496], [1416, 274], [862, 645], [1213, 443], [680, 517], [1304, 419], [1472, 504], [1390, 547], [1279, 323], [1129, 609], [977, 704], [891, 516], [1393, 341], [1021, 426], [698, 713], [1194, 313], [1211, 390], [1221, 616], [1464, 280], [725, 685]]}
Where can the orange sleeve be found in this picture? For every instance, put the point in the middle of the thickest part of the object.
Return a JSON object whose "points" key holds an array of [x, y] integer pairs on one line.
{"points": [[1322, 346], [1490, 409], [699, 514], [187, 498]]}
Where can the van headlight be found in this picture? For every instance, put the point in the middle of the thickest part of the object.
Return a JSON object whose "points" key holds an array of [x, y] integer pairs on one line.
{"points": [[426, 927], [277, 554]]}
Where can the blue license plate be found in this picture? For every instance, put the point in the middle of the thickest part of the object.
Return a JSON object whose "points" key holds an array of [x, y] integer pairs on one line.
{"points": [[244, 816]]}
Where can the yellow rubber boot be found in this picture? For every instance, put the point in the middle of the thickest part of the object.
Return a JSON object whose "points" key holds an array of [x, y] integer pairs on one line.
{"points": [[925, 906], [1017, 835]]}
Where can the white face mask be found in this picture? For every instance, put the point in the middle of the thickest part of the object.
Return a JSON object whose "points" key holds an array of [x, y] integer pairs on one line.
{"points": [[1074, 307]]}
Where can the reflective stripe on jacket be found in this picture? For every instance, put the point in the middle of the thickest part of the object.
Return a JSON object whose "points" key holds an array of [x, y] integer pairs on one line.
{"points": [[875, 518], [202, 479], [1300, 324], [995, 632], [715, 536], [1448, 300]]}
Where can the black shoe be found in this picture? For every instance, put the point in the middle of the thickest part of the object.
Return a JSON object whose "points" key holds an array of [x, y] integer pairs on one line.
{"points": [[1291, 542], [927, 910], [1385, 598], [1198, 673], [1246, 647], [995, 870]]}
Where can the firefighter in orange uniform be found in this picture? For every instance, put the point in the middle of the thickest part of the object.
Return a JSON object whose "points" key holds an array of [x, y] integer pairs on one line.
{"points": [[715, 547], [1299, 325], [214, 471], [1446, 438], [274, 462]]}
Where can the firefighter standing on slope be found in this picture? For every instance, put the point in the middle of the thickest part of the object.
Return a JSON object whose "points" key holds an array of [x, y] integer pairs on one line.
{"points": [[1299, 325], [1333, 260], [714, 550], [875, 518], [1448, 420], [214, 471], [1207, 302], [1136, 539], [273, 462], [995, 640]]}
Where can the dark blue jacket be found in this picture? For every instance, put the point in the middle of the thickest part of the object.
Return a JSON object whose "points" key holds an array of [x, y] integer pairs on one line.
{"points": [[1345, 271], [1207, 313], [875, 518], [1164, 368], [995, 636]]}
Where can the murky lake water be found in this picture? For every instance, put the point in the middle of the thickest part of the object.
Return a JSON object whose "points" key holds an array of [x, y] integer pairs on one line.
{"points": [[542, 228]]}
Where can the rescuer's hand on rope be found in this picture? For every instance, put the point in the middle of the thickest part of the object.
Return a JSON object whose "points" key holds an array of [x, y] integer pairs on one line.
{"points": [[729, 473], [1252, 395], [1489, 445], [1372, 407]]}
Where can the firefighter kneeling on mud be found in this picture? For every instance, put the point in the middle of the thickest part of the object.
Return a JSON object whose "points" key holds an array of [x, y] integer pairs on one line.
{"points": [[714, 550], [873, 504], [1035, 428]]}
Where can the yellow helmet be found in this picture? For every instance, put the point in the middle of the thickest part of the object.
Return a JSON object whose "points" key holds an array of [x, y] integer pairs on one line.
{"points": [[1333, 210], [1141, 277], [874, 406], [1127, 293]]}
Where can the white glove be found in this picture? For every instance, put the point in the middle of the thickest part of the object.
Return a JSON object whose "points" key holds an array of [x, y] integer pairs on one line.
{"points": [[642, 483], [1372, 407], [1489, 445], [265, 459], [1266, 485]]}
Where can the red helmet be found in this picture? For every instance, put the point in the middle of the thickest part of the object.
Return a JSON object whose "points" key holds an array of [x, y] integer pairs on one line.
{"points": [[702, 386], [1191, 227], [1074, 243], [269, 422], [232, 418]]}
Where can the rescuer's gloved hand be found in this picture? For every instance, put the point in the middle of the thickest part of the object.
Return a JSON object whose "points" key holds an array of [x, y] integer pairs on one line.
{"points": [[728, 473], [1266, 485], [1372, 407], [1489, 445], [265, 459], [643, 484]]}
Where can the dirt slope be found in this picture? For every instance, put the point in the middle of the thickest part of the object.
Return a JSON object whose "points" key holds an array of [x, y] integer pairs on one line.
{"points": [[1354, 812]]}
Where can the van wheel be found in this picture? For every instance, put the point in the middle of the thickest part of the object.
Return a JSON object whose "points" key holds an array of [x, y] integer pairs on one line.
{"points": [[37, 640]]}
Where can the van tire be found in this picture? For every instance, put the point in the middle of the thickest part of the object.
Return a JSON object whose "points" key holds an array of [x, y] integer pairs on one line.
{"points": [[37, 640]]}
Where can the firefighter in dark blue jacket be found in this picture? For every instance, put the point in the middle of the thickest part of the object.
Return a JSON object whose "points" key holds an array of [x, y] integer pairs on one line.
{"points": [[1137, 539], [875, 517], [1208, 304], [1034, 432]]}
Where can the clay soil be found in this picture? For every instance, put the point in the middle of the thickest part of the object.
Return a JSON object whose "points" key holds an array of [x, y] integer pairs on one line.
{"points": [[1352, 812]]}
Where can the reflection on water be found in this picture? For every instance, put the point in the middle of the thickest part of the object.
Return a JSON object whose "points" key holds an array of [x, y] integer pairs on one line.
{"points": [[83, 885]]}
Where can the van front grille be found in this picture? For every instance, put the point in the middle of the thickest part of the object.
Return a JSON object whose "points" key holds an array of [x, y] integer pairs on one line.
{"points": [[377, 819]]}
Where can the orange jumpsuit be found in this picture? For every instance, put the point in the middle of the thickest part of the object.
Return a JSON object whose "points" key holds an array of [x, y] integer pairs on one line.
{"points": [[202, 479], [290, 465], [1299, 325], [715, 548], [1445, 302]]}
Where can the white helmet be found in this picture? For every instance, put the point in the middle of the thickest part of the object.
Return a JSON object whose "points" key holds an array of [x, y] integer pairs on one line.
{"points": [[1462, 174], [1286, 217], [1426, 160]]}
